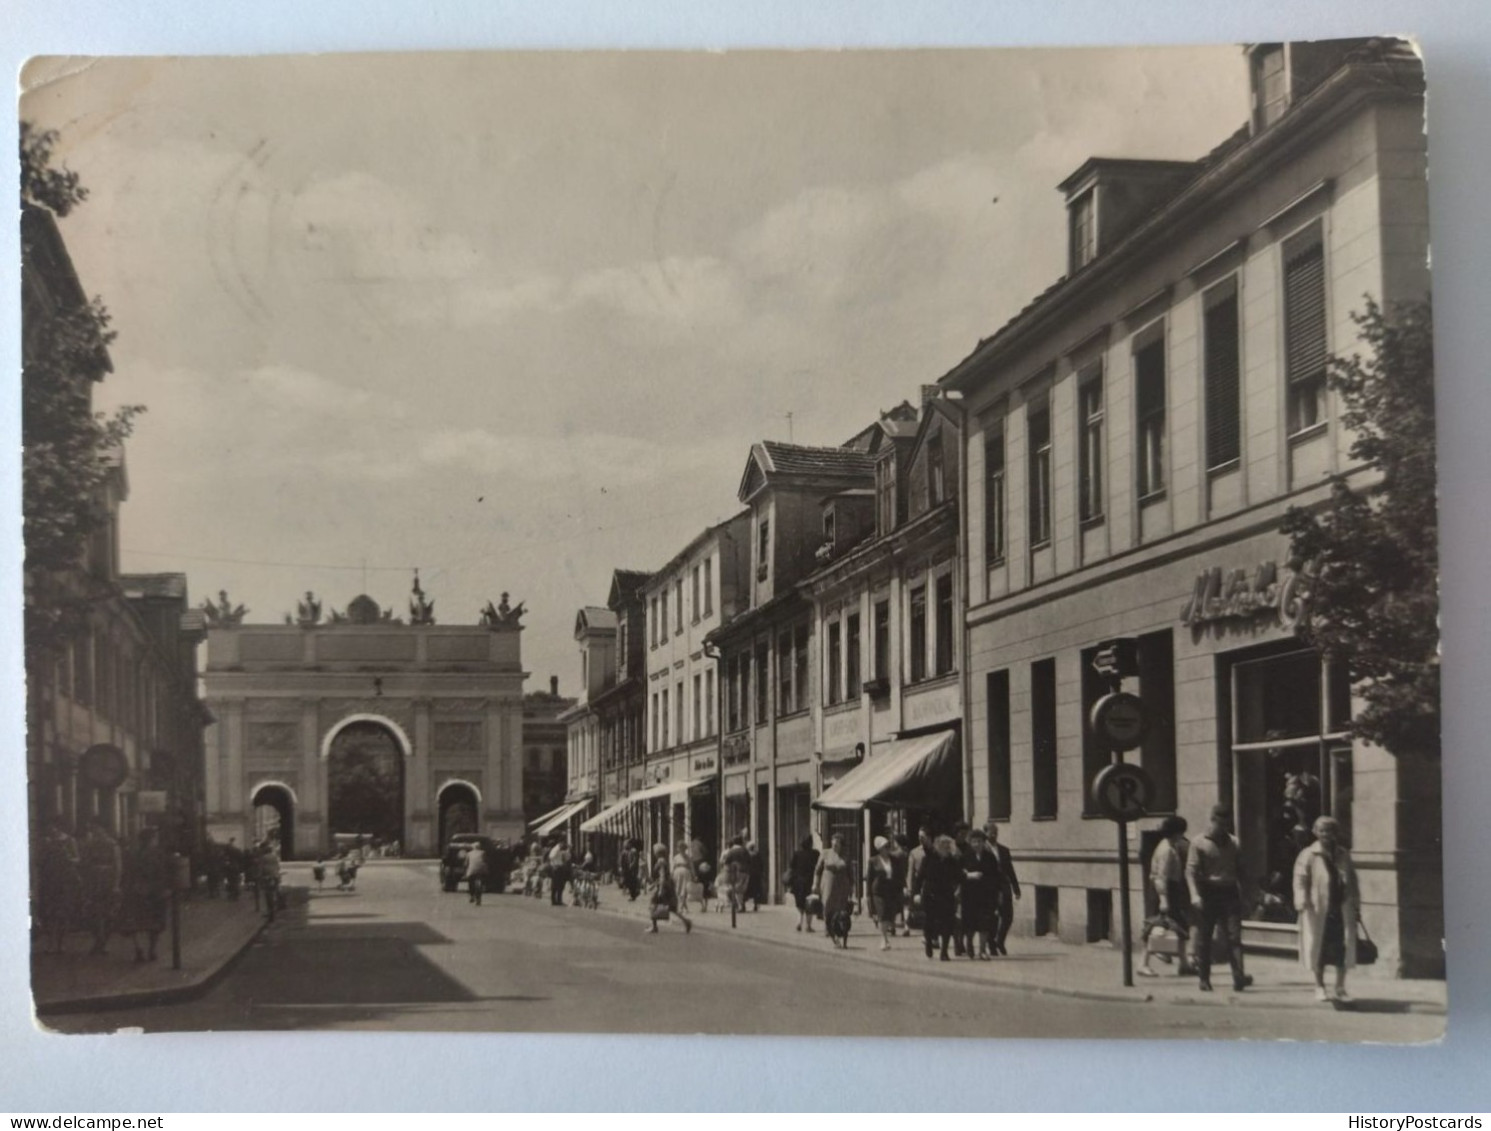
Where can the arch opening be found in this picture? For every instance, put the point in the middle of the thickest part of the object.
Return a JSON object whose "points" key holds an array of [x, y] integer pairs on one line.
{"points": [[273, 817], [365, 784], [460, 811]]}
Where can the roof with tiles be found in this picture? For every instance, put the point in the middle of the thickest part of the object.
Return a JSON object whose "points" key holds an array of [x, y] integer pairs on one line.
{"points": [[795, 459]]}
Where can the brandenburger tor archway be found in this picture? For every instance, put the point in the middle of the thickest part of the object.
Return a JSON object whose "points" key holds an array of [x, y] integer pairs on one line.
{"points": [[364, 724]]}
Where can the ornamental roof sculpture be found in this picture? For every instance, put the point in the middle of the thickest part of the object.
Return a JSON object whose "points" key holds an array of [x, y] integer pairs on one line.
{"points": [[224, 614]]}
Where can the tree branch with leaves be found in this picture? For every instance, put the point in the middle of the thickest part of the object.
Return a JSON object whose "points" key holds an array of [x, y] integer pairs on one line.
{"points": [[1374, 601]]}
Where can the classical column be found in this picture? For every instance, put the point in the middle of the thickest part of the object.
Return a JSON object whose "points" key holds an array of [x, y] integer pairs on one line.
{"points": [[310, 833], [418, 819], [233, 784]]}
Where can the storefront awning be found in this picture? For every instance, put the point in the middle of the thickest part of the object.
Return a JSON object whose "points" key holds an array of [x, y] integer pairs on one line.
{"points": [[614, 819], [533, 824], [912, 773], [561, 815]]}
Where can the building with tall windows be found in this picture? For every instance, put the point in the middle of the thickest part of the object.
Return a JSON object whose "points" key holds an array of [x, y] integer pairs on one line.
{"points": [[114, 720], [1135, 436], [887, 620], [671, 795]]}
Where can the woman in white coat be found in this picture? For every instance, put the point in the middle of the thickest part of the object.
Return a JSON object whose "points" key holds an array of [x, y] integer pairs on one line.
{"points": [[1327, 898]]}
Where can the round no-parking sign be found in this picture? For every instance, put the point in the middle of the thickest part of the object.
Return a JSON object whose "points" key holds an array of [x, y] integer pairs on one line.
{"points": [[1123, 791]]}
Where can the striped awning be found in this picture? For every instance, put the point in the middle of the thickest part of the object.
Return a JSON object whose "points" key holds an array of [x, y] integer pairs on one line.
{"points": [[561, 815], [919, 773], [617, 818], [533, 824]]}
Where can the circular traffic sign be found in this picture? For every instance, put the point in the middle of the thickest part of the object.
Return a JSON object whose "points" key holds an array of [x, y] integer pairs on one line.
{"points": [[103, 766], [1123, 791], [1120, 720]]}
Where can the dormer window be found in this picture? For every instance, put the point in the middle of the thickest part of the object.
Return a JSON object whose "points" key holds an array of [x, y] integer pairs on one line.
{"points": [[1270, 75], [1084, 234], [828, 527], [936, 471]]}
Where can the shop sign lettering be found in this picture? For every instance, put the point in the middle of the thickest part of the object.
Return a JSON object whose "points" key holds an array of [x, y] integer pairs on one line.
{"points": [[1220, 595]]}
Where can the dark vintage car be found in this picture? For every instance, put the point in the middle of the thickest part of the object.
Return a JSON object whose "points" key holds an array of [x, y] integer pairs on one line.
{"points": [[453, 862]]}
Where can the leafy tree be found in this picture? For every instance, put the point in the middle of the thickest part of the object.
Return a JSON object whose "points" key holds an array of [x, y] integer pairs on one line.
{"points": [[1374, 602], [67, 448]]}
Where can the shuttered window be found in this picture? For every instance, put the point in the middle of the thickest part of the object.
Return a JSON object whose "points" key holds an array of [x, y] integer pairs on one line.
{"points": [[1090, 444], [1038, 425], [1223, 377], [994, 513], [1000, 786], [1149, 395], [1304, 329], [1043, 738]]}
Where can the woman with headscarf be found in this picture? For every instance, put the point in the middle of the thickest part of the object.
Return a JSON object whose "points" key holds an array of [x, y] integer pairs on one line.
{"points": [[937, 891], [1327, 898], [800, 873], [885, 889], [833, 882]]}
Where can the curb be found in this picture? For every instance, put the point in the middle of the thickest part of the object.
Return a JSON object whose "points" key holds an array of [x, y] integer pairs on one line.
{"points": [[167, 995], [1136, 996]]}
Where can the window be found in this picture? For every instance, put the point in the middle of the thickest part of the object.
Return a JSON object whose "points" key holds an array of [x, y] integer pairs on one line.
{"points": [[763, 681], [678, 607], [1270, 84], [828, 527], [698, 705], [652, 622], [944, 627], [882, 640], [994, 513], [662, 617], [763, 547], [1304, 329], [936, 471], [656, 715], [1090, 450], [851, 650], [918, 622], [1038, 425], [709, 701], [678, 730], [831, 676], [785, 705], [1223, 378], [1043, 737], [800, 667], [695, 594], [83, 669], [733, 699], [1149, 393], [708, 586], [745, 688], [1000, 791], [885, 495], [1084, 231]]}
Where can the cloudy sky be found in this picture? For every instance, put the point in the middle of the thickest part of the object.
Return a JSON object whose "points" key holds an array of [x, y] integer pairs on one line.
{"points": [[516, 318]]}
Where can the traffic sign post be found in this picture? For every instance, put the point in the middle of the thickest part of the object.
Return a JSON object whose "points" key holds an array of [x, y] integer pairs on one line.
{"points": [[1122, 792]]}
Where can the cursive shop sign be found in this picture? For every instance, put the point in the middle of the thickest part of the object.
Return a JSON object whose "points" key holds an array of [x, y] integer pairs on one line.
{"points": [[1271, 592]]}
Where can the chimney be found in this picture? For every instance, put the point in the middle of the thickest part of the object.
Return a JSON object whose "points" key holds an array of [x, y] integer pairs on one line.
{"points": [[930, 393], [554, 686]]}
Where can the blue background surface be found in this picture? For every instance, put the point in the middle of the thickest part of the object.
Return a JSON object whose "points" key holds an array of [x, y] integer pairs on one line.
{"points": [[310, 1071]]}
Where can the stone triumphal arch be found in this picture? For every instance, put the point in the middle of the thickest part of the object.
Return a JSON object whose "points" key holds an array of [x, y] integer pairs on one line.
{"points": [[361, 723]]}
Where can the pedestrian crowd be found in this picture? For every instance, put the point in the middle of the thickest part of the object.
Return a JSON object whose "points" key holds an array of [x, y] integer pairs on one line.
{"points": [[99, 887]]}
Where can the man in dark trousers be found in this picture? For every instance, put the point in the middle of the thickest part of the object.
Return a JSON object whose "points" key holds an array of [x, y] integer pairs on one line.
{"points": [[1216, 894], [1009, 887]]}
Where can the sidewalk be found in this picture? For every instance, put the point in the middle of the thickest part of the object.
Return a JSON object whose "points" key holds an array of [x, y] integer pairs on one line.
{"points": [[214, 932], [1048, 966]]}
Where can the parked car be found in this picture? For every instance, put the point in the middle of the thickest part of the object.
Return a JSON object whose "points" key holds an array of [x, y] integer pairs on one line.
{"points": [[453, 861]]}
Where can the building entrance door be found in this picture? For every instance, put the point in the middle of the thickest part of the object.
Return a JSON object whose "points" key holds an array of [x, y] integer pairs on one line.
{"points": [[365, 785]]}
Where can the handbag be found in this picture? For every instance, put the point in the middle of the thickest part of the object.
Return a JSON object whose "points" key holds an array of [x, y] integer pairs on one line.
{"points": [[787, 878], [1366, 949]]}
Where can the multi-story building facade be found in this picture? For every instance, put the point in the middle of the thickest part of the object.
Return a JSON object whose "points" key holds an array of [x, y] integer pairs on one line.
{"points": [[887, 625], [545, 752], [622, 707], [768, 770], [114, 722], [595, 633], [1135, 436]]}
